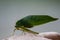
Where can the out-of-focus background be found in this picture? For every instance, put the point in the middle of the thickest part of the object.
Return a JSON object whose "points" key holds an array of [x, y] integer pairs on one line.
{"points": [[13, 10]]}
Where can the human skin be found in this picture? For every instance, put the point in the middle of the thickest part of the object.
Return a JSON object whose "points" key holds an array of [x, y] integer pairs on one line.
{"points": [[51, 35], [40, 36]]}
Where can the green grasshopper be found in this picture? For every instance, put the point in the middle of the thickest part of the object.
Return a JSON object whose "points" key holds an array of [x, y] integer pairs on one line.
{"points": [[32, 21]]}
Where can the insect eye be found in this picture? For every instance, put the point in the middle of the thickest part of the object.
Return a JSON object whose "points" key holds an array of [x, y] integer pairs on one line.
{"points": [[15, 26]]}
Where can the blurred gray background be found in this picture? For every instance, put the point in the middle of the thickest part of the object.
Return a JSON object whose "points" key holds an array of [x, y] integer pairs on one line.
{"points": [[13, 10]]}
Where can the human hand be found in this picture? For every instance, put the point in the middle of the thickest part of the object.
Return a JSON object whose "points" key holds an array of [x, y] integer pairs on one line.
{"points": [[51, 35]]}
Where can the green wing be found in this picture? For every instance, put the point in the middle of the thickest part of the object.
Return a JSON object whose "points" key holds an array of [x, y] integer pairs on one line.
{"points": [[38, 19], [32, 20]]}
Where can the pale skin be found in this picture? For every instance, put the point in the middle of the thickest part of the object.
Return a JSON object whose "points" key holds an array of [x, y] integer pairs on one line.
{"points": [[53, 35]]}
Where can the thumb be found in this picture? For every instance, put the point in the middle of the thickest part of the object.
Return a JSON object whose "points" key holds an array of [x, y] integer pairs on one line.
{"points": [[51, 35]]}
